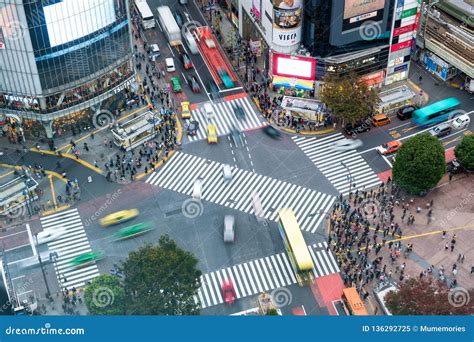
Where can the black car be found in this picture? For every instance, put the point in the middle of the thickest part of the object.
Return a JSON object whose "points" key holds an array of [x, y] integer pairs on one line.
{"points": [[186, 61], [357, 128], [192, 128], [406, 112], [272, 132], [194, 84], [239, 112]]}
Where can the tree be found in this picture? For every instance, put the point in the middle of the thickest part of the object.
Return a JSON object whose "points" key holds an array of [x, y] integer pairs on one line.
{"points": [[161, 280], [349, 97], [105, 296], [464, 152], [420, 164], [429, 297], [5, 304]]}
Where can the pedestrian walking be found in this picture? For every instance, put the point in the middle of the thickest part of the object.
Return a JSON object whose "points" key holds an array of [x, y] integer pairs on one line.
{"points": [[452, 247], [86, 147], [444, 234], [446, 246]]}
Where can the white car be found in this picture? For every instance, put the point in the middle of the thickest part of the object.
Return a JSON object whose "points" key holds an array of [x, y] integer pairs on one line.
{"points": [[170, 65], [50, 235], [346, 144], [461, 121], [229, 228], [154, 52]]}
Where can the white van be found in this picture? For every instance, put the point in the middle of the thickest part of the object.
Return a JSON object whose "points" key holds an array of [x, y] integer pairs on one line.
{"points": [[170, 65], [189, 38], [227, 172], [209, 111], [461, 122]]}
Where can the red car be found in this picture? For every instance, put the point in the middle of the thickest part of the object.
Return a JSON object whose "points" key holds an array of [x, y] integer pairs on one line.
{"points": [[228, 291]]}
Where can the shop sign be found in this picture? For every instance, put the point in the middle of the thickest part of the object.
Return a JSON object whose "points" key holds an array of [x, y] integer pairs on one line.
{"points": [[123, 86], [256, 47], [402, 30], [27, 101], [400, 68]]}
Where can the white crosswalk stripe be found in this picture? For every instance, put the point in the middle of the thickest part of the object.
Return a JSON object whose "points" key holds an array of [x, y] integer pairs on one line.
{"points": [[264, 274], [225, 118], [74, 242], [181, 171], [331, 163]]}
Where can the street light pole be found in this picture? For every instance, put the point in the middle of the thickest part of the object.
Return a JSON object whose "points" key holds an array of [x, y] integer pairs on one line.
{"points": [[350, 176], [48, 292]]}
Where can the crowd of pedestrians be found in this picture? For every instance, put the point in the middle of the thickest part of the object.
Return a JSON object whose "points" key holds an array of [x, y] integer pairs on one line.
{"points": [[365, 226]]}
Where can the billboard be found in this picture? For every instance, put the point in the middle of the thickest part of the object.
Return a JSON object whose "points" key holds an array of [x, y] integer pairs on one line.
{"points": [[257, 9], [68, 20], [294, 66], [287, 17], [358, 11]]}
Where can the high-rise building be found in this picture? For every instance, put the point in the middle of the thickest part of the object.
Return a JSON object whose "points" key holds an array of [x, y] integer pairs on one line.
{"points": [[62, 62]]}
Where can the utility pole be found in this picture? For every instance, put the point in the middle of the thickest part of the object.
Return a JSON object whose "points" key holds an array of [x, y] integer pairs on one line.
{"points": [[48, 292]]}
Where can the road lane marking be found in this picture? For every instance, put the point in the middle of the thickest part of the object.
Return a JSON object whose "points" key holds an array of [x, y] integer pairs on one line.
{"points": [[30, 237]]}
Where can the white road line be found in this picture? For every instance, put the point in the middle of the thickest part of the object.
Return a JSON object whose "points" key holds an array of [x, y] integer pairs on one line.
{"points": [[30, 237]]}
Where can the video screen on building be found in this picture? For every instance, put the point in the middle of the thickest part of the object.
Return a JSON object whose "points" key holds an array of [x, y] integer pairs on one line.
{"points": [[294, 66], [358, 11], [68, 20]]}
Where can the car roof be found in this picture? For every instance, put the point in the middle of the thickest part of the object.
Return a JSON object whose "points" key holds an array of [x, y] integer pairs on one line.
{"points": [[169, 60]]}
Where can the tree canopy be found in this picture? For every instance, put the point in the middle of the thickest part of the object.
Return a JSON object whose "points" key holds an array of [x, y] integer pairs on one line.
{"points": [[429, 297], [420, 164], [464, 152], [161, 280], [349, 97], [105, 296]]}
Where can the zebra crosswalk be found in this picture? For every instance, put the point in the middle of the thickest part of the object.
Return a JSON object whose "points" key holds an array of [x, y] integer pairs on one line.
{"points": [[264, 274], [69, 245], [182, 170], [334, 165], [225, 118]]}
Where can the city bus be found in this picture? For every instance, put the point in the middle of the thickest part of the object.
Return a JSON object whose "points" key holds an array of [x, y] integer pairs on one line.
{"points": [[353, 305], [295, 246], [146, 16], [435, 112]]}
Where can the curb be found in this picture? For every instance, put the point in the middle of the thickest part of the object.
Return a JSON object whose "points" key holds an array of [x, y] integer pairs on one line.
{"points": [[66, 155], [55, 210], [157, 165], [322, 132]]}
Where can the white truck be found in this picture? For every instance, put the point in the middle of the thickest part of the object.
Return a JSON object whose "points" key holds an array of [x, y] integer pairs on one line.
{"points": [[169, 26]]}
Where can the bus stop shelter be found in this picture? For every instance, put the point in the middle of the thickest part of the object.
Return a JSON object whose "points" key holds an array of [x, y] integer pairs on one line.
{"points": [[393, 99]]}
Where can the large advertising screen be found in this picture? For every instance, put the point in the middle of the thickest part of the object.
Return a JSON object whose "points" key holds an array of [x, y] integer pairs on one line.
{"points": [[357, 11], [287, 16], [294, 66], [68, 20]]}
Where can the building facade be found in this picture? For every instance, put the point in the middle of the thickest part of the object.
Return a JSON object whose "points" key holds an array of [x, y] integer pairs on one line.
{"points": [[446, 41], [62, 63]]}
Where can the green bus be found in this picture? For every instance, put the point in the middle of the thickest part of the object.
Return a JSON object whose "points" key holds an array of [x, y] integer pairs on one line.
{"points": [[436, 112]]}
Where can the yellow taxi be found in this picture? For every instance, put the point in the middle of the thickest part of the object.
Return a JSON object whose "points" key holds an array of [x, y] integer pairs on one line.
{"points": [[118, 217], [185, 112], [211, 134]]}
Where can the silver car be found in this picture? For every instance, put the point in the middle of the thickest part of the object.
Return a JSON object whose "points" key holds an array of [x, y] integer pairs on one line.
{"points": [[229, 228]]}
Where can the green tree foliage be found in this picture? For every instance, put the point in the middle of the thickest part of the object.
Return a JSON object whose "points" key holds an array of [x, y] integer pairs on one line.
{"points": [[349, 98], [420, 164], [105, 296], [429, 297], [161, 280], [464, 152]]}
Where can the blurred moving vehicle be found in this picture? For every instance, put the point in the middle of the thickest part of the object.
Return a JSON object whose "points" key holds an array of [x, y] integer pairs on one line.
{"points": [[228, 291], [118, 217], [86, 259], [406, 112], [229, 228], [239, 112], [179, 19], [211, 134], [227, 172], [194, 84], [183, 2], [228, 83], [390, 147], [154, 52], [175, 84], [50, 235], [135, 230], [272, 132], [236, 135], [346, 144], [356, 128], [185, 112], [186, 61]]}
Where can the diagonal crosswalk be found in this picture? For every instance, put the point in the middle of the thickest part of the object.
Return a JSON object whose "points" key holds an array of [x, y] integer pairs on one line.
{"points": [[264, 274], [181, 171], [69, 245], [225, 118], [330, 163]]}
